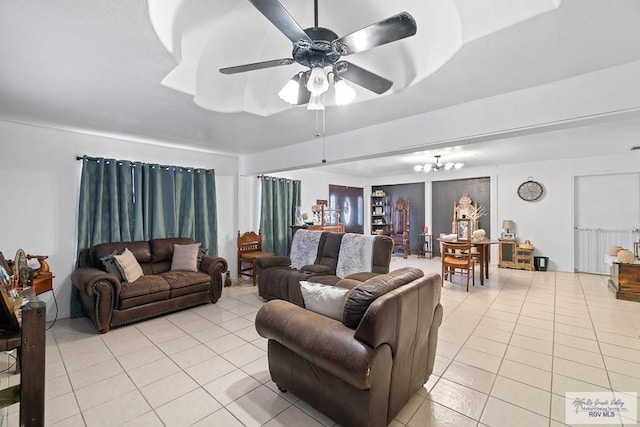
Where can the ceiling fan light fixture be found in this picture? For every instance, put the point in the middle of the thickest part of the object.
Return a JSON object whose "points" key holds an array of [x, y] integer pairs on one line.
{"points": [[418, 168], [289, 93], [458, 165], [344, 93], [318, 82], [315, 102]]}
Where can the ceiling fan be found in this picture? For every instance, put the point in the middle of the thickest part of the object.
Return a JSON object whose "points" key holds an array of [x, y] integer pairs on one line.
{"points": [[318, 47]]}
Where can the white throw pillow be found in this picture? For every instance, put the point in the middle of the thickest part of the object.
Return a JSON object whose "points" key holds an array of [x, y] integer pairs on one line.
{"points": [[128, 266], [185, 257], [324, 299]]}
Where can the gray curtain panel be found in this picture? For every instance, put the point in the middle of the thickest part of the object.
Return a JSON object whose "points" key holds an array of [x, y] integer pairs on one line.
{"points": [[127, 201], [279, 199]]}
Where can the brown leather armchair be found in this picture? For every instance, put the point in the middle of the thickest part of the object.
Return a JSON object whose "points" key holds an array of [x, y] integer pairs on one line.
{"points": [[360, 371]]}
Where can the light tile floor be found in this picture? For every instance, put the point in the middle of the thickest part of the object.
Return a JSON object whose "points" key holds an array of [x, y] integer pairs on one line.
{"points": [[507, 353]]}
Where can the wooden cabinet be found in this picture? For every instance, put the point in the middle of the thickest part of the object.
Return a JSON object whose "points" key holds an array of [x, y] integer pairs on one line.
{"points": [[513, 256], [380, 213], [625, 281]]}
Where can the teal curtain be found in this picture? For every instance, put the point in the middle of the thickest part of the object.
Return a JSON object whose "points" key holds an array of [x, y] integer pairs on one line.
{"points": [[128, 201], [279, 199]]}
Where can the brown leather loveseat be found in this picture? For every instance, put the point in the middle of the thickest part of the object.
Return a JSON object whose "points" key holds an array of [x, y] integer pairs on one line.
{"points": [[360, 371], [109, 301]]}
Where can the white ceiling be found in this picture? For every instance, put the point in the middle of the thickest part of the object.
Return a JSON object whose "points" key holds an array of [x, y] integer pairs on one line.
{"points": [[97, 66]]}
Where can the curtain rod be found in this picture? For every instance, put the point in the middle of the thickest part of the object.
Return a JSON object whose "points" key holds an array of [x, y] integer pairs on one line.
{"points": [[95, 159]]}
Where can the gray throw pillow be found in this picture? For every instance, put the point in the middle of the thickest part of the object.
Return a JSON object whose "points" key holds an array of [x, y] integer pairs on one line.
{"points": [[201, 253], [109, 264]]}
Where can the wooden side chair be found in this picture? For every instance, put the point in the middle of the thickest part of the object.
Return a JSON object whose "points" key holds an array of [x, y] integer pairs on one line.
{"points": [[249, 250], [458, 257]]}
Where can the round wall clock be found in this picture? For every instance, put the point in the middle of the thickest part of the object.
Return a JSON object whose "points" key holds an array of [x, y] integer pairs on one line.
{"points": [[530, 190]]}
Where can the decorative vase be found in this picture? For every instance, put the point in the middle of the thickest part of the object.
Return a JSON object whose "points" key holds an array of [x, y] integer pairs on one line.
{"points": [[479, 235], [299, 219], [613, 250], [625, 256]]}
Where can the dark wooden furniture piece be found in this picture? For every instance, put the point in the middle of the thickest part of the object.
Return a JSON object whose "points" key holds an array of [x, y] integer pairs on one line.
{"points": [[400, 226], [513, 256], [30, 363], [625, 281], [458, 256], [249, 250]]}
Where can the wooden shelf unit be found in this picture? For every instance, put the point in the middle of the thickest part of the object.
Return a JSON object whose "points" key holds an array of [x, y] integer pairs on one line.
{"points": [[380, 213], [513, 256]]}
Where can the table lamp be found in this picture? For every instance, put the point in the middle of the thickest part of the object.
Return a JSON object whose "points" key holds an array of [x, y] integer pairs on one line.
{"points": [[508, 224]]}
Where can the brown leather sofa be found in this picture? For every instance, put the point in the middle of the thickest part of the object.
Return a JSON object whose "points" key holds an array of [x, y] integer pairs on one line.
{"points": [[108, 302], [363, 370], [277, 280]]}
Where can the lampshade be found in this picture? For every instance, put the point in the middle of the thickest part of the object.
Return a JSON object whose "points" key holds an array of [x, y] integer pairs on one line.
{"points": [[315, 102], [318, 82], [508, 224], [344, 92], [289, 92]]}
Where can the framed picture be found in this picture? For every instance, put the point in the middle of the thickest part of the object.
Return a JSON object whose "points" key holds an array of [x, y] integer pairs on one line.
{"points": [[509, 236], [464, 229], [5, 271]]}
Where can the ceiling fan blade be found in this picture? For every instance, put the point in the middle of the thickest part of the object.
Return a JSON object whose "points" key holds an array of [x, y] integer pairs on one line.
{"points": [[362, 77], [257, 66], [388, 30], [278, 15]]}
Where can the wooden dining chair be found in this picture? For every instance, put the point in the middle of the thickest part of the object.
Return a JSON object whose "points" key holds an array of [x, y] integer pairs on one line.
{"points": [[458, 257], [249, 250]]}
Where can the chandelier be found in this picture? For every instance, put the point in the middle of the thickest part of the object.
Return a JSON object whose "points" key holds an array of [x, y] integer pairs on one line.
{"points": [[438, 166]]}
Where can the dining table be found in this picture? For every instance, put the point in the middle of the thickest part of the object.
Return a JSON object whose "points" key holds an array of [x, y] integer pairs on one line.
{"points": [[483, 252]]}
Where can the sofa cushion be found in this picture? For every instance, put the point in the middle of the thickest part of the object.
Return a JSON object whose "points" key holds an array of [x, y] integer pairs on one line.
{"points": [[323, 299], [128, 266], [110, 266], [185, 257], [186, 282], [362, 296], [147, 289]]}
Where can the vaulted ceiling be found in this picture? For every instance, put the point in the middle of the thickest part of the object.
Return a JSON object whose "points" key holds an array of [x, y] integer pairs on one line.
{"points": [[100, 67]]}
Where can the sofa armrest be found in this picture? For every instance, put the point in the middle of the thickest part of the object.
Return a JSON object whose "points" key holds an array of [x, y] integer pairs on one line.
{"points": [[85, 278], [214, 266], [273, 261], [323, 341]]}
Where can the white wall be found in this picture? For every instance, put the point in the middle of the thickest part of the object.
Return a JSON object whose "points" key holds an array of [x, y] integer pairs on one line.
{"points": [[41, 179]]}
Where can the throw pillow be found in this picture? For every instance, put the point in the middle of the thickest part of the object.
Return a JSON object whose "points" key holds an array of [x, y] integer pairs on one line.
{"points": [[201, 253], [110, 265], [128, 266], [323, 299], [185, 257]]}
